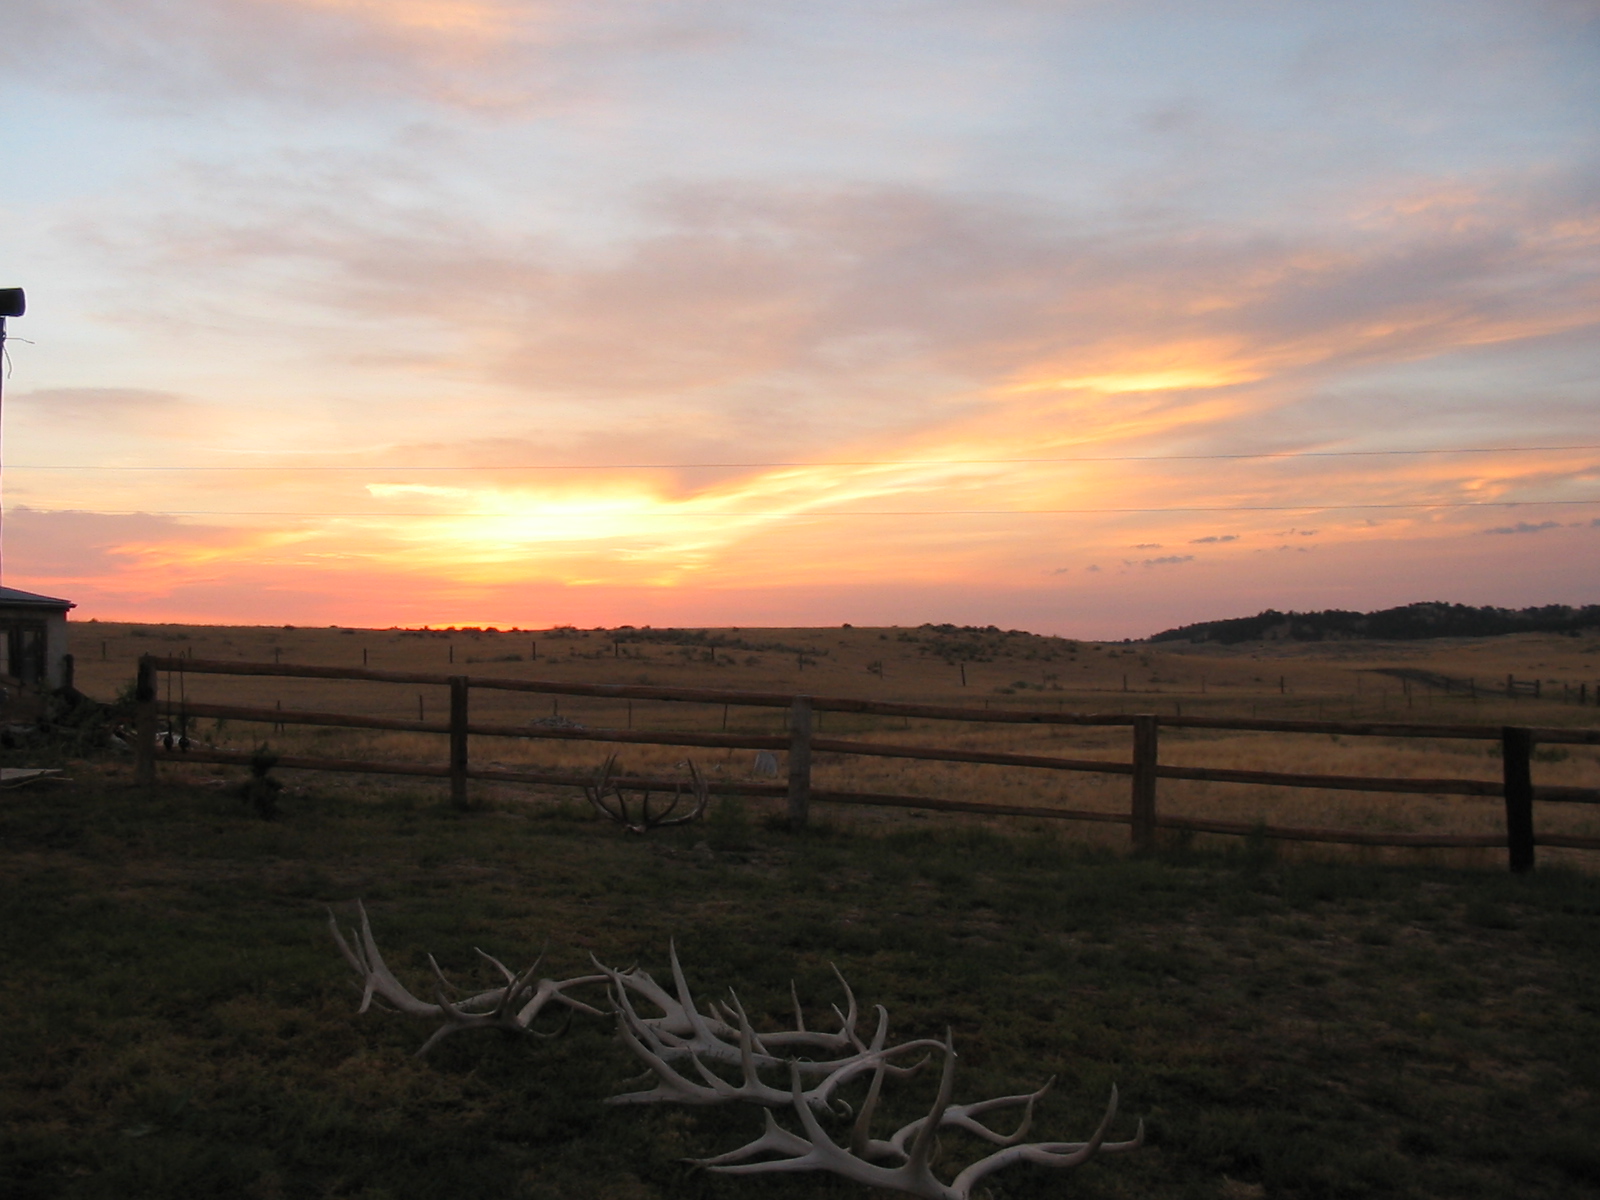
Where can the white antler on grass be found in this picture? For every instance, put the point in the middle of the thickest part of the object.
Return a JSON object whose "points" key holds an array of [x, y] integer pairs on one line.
{"points": [[683, 1030], [684, 1033], [675, 1086], [512, 1008], [816, 1151]]}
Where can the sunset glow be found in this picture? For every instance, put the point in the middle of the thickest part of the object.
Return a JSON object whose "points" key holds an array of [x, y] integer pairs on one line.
{"points": [[1083, 319]]}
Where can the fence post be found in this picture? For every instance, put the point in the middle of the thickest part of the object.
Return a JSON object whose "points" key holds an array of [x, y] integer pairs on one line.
{"points": [[1145, 748], [458, 740], [144, 723], [799, 761], [1516, 751]]}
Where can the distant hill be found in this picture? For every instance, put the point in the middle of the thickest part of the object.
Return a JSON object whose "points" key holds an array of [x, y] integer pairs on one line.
{"points": [[1411, 621]]}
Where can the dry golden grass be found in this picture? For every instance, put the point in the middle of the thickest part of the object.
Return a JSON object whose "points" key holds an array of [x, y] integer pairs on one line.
{"points": [[1336, 681]]}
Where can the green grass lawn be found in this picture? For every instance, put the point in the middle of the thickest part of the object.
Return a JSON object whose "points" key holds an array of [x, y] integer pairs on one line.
{"points": [[177, 1022]]}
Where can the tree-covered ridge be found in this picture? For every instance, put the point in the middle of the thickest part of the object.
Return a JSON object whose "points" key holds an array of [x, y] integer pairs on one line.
{"points": [[1408, 622]]}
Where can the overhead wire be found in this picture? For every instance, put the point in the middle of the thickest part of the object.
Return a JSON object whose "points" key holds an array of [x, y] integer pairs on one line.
{"points": [[788, 463], [828, 514]]}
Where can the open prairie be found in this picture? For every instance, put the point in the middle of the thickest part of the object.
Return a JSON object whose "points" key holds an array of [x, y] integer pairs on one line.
{"points": [[179, 1023], [1437, 681]]}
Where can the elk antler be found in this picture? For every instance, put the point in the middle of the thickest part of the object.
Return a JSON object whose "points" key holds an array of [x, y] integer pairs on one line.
{"points": [[682, 1029], [684, 1033], [816, 1151], [511, 1008], [606, 784]]}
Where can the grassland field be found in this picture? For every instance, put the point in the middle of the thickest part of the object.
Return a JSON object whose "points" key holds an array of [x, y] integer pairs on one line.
{"points": [[1337, 1023], [1332, 680]]}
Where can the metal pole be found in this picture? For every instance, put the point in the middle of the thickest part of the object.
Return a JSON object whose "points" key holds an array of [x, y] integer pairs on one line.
{"points": [[13, 303]]}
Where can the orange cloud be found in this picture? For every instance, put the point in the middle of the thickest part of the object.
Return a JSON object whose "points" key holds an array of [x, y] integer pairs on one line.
{"points": [[474, 17]]}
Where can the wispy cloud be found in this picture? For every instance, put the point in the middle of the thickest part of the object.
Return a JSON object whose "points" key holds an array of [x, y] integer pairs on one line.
{"points": [[495, 56], [1525, 527]]}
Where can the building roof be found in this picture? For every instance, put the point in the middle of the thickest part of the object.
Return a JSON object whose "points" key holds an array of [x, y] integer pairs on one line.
{"points": [[16, 598]]}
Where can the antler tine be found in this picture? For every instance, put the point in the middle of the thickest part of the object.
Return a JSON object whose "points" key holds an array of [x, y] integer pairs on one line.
{"points": [[673, 1018], [844, 1070], [603, 784], [659, 1049], [500, 966], [441, 983], [519, 987], [377, 979], [849, 1019], [669, 1084], [672, 1085], [494, 1008], [358, 964], [735, 1009], [747, 1041], [881, 1035], [860, 1137], [697, 1022], [801, 1036], [1051, 1154], [698, 788], [550, 989], [702, 790], [808, 1120], [775, 1138], [922, 1144], [810, 1155], [962, 1115]]}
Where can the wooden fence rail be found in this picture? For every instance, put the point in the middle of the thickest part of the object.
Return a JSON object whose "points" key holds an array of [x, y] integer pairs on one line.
{"points": [[1515, 787]]}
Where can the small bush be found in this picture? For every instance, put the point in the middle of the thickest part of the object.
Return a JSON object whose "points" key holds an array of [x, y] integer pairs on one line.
{"points": [[260, 788], [728, 827]]}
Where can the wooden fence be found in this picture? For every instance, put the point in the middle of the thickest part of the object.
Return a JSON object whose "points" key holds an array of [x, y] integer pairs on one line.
{"points": [[1516, 786]]}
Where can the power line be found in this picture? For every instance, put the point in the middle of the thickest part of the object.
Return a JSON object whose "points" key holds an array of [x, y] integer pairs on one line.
{"points": [[832, 513], [887, 462]]}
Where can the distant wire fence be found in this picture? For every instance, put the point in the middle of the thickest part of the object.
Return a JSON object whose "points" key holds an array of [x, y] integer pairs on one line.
{"points": [[1144, 769], [1514, 687]]}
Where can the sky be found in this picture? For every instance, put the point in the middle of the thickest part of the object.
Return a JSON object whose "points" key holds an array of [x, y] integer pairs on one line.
{"points": [[1081, 317]]}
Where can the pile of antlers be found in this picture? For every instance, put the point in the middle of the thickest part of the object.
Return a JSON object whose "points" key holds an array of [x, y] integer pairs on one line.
{"points": [[678, 1044], [608, 794]]}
